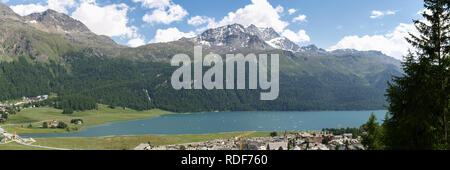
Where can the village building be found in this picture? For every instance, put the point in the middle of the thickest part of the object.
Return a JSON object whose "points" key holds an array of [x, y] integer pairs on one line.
{"points": [[348, 135], [53, 123], [299, 141]]}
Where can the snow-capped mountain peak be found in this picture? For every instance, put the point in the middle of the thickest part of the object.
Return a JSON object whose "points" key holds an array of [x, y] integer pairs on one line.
{"points": [[236, 36], [232, 37]]}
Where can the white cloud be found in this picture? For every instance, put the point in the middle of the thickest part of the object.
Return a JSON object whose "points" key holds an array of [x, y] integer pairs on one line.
{"points": [[392, 44], [154, 3], [57, 5], [166, 16], [170, 34], [259, 13], [4, 1], [110, 20], [28, 9], [292, 11], [60, 5], [279, 9], [199, 20], [299, 37], [425, 11], [136, 42], [300, 18], [421, 12], [164, 11], [379, 14]]}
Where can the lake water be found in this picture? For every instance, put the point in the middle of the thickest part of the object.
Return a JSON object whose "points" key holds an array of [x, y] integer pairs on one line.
{"points": [[203, 123]]}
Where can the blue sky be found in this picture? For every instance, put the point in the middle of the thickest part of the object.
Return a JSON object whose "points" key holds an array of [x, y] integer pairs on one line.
{"points": [[329, 24]]}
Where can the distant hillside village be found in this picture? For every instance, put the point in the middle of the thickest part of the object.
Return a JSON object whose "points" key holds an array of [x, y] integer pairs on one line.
{"points": [[7, 108], [298, 141]]}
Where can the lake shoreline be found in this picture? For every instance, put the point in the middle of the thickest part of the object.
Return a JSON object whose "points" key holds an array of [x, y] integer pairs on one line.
{"points": [[196, 123], [103, 115]]}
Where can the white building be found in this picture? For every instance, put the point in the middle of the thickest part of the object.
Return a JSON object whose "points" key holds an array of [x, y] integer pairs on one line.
{"points": [[348, 135]]}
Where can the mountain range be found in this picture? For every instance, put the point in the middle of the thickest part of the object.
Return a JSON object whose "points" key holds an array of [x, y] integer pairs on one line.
{"points": [[58, 54], [237, 37]]}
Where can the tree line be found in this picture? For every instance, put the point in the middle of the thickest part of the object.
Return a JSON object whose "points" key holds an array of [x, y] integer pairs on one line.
{"points": [[419, 101]]}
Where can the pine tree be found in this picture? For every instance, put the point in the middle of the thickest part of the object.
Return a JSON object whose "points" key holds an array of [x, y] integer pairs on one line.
{"points": [[419, 101], [372, 138]]}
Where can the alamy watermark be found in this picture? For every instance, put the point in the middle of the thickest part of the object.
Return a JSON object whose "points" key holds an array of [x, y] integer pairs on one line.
{"points": [[213, 78]]}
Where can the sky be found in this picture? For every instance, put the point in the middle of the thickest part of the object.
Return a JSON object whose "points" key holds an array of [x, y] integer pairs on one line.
{"points": [[330, 24]]}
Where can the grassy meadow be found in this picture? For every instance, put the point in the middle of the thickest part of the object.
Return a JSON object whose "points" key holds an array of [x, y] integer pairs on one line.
{"points": [[123, 142], [130, 142], [36, 116]]}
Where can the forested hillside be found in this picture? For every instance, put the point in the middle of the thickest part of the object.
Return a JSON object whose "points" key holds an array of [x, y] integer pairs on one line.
{"points": [[146, 85], [57, 54]]}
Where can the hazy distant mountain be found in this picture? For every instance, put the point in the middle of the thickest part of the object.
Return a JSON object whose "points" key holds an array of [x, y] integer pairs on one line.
{"points": [[239, 38]]}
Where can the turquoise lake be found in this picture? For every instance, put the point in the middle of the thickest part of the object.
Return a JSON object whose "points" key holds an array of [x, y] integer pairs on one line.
{"points": [[215, 122]]}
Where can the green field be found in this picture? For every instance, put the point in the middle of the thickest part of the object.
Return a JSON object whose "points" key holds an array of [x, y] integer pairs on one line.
{"points": [[122, 142], [17, 146], [130, 142], [36, 116]]}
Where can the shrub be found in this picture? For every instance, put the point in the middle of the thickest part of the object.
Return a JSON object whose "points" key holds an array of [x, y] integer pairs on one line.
{"points": [[62, 125], [273, 134], [45, 125], [75, 121]]}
